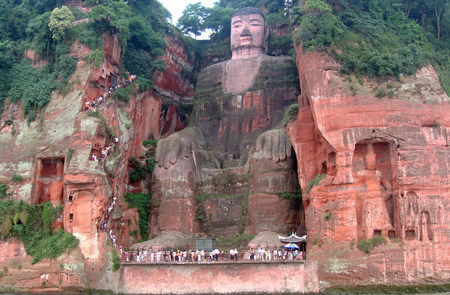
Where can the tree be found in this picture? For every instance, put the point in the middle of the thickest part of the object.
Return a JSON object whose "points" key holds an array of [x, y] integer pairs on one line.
{"points": [[192, 20], [218, 21], [112, 17], [61, 20], [438, 9], [319, 27]]}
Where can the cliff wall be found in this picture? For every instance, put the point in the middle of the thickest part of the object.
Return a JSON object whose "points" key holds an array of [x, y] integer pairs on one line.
{"points": [[59, 159], [384, 164]]}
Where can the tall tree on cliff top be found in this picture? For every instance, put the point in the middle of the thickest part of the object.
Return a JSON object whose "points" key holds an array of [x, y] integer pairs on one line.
{"points": [[192, 20], [438, 7], [61, 20]]}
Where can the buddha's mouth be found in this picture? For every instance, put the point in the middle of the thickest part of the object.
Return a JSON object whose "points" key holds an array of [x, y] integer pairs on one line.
{"points": [[246, 39]]}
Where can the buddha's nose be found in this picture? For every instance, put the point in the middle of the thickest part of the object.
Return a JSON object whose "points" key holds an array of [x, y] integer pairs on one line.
{"points": [[246, 32]]}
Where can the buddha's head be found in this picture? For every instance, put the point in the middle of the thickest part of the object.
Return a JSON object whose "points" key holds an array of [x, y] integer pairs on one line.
{"points": [[249, 33]]}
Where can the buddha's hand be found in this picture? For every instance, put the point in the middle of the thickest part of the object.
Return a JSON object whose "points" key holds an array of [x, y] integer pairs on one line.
{"points": [[176, 147], [274, 145]]}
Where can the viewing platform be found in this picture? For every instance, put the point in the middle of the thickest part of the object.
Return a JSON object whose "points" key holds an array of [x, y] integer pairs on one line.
{"points": [[218, 277]]}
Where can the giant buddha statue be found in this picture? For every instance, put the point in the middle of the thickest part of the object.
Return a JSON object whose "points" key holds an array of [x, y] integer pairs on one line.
{"points": [[235, 130]]}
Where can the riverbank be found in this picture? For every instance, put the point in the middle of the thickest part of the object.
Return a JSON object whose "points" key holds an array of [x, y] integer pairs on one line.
{"points": [[392, 289]]}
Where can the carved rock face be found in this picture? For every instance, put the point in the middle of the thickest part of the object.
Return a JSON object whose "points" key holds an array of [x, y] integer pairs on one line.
{"points": [[248, 36], [387, 174]]}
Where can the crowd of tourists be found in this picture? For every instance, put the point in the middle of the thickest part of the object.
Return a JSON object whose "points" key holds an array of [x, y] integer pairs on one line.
{"points": [[99, 157], [214, 255], [92, 105]]}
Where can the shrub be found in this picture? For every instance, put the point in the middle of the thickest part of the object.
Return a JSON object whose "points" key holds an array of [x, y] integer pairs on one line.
{"points": [[290, 114], [88, 36], [32, 86], [368, 245], [16, 178], [66, 66], [138, 171], [318, 26], [96, 57], [142, 203], [3, 190], [152, 142], [122, 94], [33, 224], [115, 260]]}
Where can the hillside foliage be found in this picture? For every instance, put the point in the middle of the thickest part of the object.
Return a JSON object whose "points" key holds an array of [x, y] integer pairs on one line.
{"points": [[33, 225], [371, 38], [379, 38], [47, 27]]}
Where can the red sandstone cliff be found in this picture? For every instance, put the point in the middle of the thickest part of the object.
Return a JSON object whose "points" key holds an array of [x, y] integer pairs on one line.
{"points": [[53, 157], [387, 165]]}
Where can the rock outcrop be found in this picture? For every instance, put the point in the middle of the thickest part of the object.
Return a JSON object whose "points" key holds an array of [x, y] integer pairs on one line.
{"points": [[386, 169], [380, 165], [54, 157]]}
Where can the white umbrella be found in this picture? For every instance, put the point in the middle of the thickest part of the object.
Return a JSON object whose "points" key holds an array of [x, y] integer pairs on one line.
{"points": [[291, 246]]}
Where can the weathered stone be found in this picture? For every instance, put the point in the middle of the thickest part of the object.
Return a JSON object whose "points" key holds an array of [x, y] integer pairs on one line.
{"points": [[382, 159]]}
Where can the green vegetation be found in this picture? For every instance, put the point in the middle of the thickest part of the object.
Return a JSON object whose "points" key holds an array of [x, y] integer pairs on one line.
{"points": [[122, 94], [61, 20], [142, 203], [290, 114], [379, 38], [33, 224], [314, 182], [4, 190], [292, 196], [318, 26], [368, 245], [115, 260], [47, 28], [96, 57], [139, 171], [69, 156], [150, 142], [235, 242], [16, 178]]}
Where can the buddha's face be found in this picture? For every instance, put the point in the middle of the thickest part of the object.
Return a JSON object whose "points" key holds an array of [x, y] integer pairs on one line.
{"points": [[248, 31]]}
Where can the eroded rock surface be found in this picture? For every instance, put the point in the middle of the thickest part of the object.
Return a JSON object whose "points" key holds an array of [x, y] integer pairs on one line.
{"points": [[386, 167]]}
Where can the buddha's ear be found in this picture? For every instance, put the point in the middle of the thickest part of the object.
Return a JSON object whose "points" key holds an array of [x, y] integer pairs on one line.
{"points": [[266, 37]]}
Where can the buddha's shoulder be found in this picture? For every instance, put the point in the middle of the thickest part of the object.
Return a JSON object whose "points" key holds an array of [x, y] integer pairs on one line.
{"points": [[269, 60], [216, 68], [211, 75]]}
